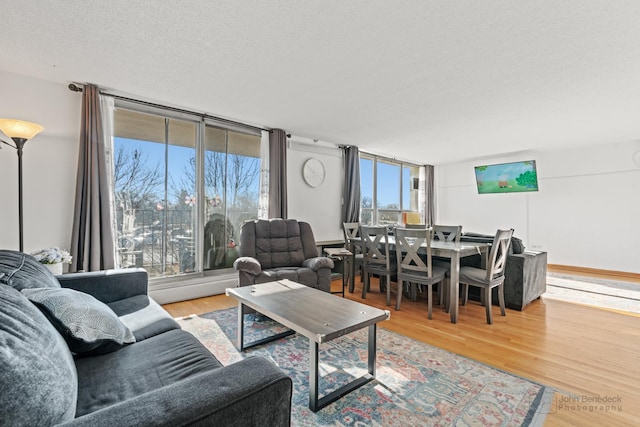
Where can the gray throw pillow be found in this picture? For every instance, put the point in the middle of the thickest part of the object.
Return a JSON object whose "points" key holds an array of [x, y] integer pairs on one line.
{"points": [[88, 326], [21, 271], [38, 378], [516, 245]]}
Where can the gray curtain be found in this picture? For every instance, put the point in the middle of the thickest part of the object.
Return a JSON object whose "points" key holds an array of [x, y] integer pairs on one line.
{"points": [[351, 190], [429, 200], [92, 242], [278, 174]]}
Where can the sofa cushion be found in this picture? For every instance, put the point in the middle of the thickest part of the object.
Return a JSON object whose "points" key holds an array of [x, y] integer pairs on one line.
{"points": [[295, 274], [88, 326], [134, 370], [20, 271], [143, 316], [278, 243], [38, 379]]}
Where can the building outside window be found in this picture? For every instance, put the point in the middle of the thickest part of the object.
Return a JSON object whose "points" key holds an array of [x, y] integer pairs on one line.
{"points": [[389, 189], [182, 188]]}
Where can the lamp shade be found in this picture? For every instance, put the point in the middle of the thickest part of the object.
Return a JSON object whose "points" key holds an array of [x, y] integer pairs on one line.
{"points": [[14, 128]]}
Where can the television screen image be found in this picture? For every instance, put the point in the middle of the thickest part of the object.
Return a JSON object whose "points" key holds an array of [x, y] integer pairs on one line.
{"points": [[507, 177]]}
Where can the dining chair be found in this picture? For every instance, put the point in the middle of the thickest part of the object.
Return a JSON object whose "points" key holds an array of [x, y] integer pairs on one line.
{"points": [[377, 259], [492, 276], [445, 233], [412, 267], [353, 244]]}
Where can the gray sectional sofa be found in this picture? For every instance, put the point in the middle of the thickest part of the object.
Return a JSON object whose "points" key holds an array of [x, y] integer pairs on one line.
{"points": [[68, 360]]}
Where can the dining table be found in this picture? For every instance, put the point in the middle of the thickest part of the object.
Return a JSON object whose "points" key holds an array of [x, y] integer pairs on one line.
{"points": [[453, 251]]}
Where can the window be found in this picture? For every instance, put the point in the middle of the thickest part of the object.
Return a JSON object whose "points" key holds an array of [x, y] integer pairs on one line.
{"points": [[231, 187], [182, 189], [388, 189], [366, 190]]}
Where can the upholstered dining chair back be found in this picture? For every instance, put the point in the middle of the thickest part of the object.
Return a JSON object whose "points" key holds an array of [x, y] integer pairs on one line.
{"points": [[498, 254], [350, 231], [376, 247], [447, 233], [376, 258], [413, 266], [408, 243]]}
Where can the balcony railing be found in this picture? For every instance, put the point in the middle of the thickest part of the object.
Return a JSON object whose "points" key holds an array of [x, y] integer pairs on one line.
{"points": [[161, 241]]}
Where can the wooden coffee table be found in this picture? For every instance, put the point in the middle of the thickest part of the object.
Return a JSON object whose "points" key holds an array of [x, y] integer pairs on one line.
{"points": [[318, 316]]}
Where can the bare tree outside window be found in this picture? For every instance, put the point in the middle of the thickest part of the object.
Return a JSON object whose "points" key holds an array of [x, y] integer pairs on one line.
{"points": [[136, 181]]}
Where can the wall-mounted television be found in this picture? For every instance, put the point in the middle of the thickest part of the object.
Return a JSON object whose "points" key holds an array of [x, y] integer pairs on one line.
{"points": [[507, 177]]}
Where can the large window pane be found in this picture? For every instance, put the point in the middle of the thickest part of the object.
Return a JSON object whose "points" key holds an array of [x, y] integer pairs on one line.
{"points": [[232, 180], [388, 192], [154, 195], [410, 186], [366, 190]]}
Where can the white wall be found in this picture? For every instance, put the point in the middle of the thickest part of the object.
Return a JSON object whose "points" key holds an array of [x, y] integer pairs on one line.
{"points": [[321, 206], [585, 213], [49, 163]]}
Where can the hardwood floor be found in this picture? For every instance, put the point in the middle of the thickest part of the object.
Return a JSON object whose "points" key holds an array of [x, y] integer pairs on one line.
{"points": [[590, 356]]}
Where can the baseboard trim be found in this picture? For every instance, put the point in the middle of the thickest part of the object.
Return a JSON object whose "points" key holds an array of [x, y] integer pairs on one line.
{"points": [[586, 271], [203, 287]]}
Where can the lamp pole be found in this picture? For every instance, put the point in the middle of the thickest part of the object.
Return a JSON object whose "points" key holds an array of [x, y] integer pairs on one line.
{"points": [[20, 132], [19, 144]]}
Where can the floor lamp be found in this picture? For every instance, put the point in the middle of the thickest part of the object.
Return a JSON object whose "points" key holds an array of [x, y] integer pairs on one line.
{"points": [[20, 132]]}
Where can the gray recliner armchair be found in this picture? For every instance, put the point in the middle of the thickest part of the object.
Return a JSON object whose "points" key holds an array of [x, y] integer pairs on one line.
{"points": [[277, 249]]}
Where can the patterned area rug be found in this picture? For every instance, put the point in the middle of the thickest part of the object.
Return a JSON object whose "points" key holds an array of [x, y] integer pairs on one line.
{"points": [[416, 384]]}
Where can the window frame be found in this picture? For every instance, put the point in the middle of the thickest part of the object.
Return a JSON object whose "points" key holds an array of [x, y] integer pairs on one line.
{"points": [[375, 210], [200, 123]]}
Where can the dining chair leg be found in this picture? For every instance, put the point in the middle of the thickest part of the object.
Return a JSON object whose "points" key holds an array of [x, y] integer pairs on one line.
{"points": [[382, 281], [399, 295], [413, 291], [487, 300], [501, 299], [429, 301], [388, 286], [445, 293], [465, 293], [365, 285]]}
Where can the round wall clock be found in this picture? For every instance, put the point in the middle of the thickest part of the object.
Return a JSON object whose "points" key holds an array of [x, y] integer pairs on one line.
{"points": [[313, 172]]}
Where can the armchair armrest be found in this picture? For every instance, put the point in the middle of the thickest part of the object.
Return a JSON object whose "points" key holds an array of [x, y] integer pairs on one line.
{"points": [[248, 264], [108, 285], [252, 392], [318, 262]]}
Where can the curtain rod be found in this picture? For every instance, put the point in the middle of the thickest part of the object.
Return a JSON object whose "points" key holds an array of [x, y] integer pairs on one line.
{"points": [[78, 88]]}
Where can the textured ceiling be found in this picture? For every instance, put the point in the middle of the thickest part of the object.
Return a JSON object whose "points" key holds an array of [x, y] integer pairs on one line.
{"points": [[427, 81]]}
